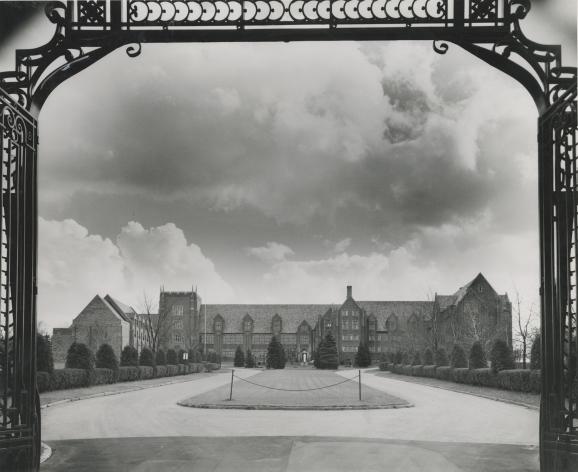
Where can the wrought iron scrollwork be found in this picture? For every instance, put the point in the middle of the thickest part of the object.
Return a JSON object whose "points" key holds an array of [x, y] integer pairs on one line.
{"points": [[38, 71]]}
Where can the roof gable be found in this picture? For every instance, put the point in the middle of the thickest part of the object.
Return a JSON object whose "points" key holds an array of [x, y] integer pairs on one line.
{"points": [[98, 306]]}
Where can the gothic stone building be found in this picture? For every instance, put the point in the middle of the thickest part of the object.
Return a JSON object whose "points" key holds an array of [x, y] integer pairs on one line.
{"points": [[104, 320], [474, 312]]}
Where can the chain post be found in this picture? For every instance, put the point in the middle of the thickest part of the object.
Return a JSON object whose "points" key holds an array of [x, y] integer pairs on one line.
{"points": [[231, 391], [359, 379]]}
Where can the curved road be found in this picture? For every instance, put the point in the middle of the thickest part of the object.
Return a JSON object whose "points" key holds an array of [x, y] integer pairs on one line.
{"points": [[438, 415]]}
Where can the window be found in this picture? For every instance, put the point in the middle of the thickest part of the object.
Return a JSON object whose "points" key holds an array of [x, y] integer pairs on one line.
{"points": [[248, 325], [177, 338], [355, 324], [177, 310], [178, 324], [235, 339], [218, 325], [210, 338]]}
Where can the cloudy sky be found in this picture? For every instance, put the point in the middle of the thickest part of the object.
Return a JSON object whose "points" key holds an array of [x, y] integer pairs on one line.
{"points": [[265, 173]]}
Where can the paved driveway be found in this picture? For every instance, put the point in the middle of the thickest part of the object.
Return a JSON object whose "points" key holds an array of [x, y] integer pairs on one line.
{"points": [[147, 431], [438, 415]]}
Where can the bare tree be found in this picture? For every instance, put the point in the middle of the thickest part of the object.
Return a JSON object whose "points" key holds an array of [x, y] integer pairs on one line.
{"points": [[525, 330], [157, 325]]}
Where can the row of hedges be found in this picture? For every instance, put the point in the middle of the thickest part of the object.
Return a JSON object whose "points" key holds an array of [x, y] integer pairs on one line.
{"points": [[519, 380], [62, 379]]}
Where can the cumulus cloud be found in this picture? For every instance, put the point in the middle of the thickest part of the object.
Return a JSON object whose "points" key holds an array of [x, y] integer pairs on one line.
{"points": [[342, 245], [271, 252], [75, 265]]}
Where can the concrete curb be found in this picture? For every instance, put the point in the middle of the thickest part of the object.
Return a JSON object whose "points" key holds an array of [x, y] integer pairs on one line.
{"points": [[215, 406], [114, 392], [45, 453], [487, 397]]}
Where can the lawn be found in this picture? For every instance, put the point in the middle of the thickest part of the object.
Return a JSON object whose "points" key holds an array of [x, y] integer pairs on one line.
{"points": [[296, 389]]}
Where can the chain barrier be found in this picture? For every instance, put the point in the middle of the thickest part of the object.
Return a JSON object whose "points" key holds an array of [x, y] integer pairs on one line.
{"points": [[295, 389]]}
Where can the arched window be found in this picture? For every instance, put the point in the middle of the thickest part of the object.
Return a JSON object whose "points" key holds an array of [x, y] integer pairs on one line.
{"points": [[391, 324]]}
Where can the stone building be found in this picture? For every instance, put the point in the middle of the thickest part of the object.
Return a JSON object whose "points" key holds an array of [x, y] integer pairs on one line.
{"points": [[474, 312], [104, 320]]}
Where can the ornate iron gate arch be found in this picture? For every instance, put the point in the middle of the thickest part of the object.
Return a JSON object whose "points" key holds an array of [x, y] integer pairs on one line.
{"points": [[87, 30]]}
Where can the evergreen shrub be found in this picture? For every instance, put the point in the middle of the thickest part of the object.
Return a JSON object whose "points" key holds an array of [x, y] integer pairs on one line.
{"points": [[250, 360], [328, 353], [172, 357], [106, 358], [444, 372], [416, 360], [477, 357], [103, 376], [79, 356], [146, 357], [458, 357], [501, 356], [129, 356], [145, 372], [363, 356], [428, 357], [160, 358], [276, 358], [441, 358], [44, 360], [239, 360]]}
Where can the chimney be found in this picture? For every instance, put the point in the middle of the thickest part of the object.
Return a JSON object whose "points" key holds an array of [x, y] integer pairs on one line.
{"points": [[349, 292]]}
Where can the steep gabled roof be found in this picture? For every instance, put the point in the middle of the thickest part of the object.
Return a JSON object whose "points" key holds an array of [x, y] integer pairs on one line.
{"points": [[98, 301], [402, 309], [445, 301], [124, 311]]}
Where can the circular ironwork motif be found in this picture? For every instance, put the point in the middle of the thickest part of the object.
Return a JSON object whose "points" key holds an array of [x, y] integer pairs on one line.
{"points": [[267, 11]]}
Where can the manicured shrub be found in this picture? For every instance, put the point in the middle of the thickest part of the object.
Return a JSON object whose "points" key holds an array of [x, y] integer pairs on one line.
{"points": [[161, 371], [535, 381], [197, 367], [458, 357], [484, 377], [79, 356], [145, 372], [501, 356], [477, 356], [106, 358], [441, 358], [129, 356], [429, 371], [250, 360], [383, 365], [328, 353], [102, 376], [42, 381], [517, 380], [146, 357], [44, 360], [417, 370], [462, 375], [62, 379], [416, 359], [363, 356], [444, 373], [172, 357], [172, 369], [398, 357], [275, 355], [428, 357], [160, 358], [536, 353], [211, 366], [129, 373]]}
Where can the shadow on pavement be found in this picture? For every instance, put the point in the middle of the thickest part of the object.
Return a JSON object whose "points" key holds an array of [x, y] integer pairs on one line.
{"points": [[285, 454]]}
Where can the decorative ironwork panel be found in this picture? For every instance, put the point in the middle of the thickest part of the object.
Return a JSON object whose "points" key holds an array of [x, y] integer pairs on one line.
{"points": [[19, 416], [558, 136], [238, 14]]}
